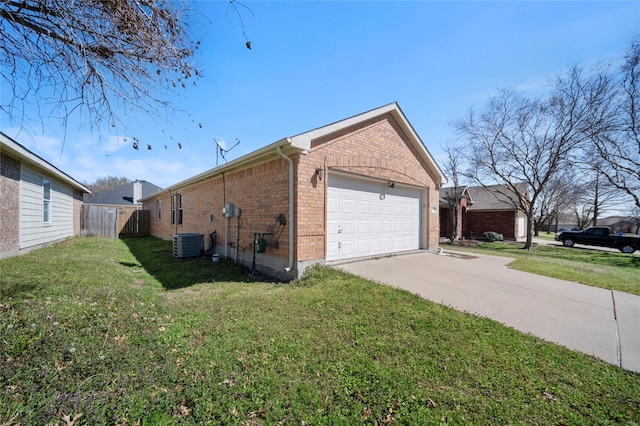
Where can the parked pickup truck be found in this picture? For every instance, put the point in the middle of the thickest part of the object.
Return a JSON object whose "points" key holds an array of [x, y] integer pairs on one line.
{"points": [[599, 236]]}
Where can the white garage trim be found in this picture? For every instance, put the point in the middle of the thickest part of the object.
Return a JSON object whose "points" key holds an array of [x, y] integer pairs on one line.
{"points": [[367, 217]]}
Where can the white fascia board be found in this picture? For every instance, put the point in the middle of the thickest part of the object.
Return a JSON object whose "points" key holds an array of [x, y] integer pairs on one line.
{"points": [[303, 140], [247, 160], [13, 148]]}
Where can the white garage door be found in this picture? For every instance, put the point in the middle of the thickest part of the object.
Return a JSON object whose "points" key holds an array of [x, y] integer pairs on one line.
{"points": [[367, 218]]}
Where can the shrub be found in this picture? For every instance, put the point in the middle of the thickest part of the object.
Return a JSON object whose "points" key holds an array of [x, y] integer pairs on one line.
{"points": [[493, 236]]}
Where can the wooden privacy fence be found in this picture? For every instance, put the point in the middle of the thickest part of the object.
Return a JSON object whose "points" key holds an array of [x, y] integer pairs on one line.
{"points": [[114, 222]]}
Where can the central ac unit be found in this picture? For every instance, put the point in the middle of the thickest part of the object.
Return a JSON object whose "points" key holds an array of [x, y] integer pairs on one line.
{"points": [[188, 245]]}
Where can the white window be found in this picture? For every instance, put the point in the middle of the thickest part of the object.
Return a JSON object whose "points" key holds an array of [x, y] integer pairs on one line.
{"points": [[46, 200], [158, 209], [176, 209]]}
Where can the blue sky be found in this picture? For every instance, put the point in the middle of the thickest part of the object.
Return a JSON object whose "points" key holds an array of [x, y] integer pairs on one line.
{"points": [[314, 63]]}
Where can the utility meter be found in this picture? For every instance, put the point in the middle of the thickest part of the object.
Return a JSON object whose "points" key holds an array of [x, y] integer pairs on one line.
{"points": [[261, 245], [228, 210]]}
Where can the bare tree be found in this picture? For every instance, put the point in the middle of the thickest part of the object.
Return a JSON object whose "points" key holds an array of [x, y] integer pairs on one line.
{"points": [[558, 195], [453, 195], [596, 193], [635, 217], [97, 57], [107, 183], [517, 140], [619, 148]]}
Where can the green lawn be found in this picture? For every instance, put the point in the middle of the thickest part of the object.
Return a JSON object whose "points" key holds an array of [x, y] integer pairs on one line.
{"points": [[598, 268], [118, 332]]}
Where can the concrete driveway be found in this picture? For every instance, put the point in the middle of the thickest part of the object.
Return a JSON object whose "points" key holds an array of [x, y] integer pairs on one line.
{"points": [[595, 321]]}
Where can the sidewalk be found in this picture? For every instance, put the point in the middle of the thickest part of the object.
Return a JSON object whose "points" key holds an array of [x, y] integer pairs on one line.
{"points": [[595, 321]]}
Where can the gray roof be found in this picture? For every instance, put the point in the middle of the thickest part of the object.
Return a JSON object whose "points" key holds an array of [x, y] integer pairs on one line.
{"points": [[124, 194], [496, 197]]}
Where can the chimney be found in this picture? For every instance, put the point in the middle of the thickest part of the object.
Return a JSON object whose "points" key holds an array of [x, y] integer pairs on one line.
{"points": [[137, 191]]}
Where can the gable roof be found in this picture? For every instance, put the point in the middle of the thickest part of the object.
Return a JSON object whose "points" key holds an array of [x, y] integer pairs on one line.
{"points": [[303, 140], [488, 198], [18, 151], [124, 195], [302, 143], [448, 193]]}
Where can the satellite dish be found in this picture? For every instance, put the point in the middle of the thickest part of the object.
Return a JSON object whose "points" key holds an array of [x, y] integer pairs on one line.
{"points": [[221, 147], [219, 140]]}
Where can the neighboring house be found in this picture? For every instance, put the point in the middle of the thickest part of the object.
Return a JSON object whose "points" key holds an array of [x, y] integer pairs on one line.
{"points": [[364, 186], [118, 213], [448, 197], [40, 203], [626, 224], [485, 210], [127, 195]]}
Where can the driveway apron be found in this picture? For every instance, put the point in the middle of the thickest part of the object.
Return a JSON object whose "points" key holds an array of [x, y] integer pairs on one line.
{"points": [[595, 321]]}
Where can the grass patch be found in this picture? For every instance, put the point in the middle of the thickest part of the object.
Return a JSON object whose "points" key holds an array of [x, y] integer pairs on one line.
{"points": [[113, 332], [598, 268]]}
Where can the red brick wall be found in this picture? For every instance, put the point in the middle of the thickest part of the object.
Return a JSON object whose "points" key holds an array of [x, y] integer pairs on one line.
{"points": [[261, 192], [446, 225], [502, 222], [10, 206]]}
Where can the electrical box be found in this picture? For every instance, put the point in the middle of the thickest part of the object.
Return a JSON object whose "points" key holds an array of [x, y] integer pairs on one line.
{"points": [[238, 211], [260, 245], [227, 211]]}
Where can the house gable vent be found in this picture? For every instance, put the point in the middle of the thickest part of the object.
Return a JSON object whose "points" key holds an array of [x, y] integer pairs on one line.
{"points": [[188, 245]]}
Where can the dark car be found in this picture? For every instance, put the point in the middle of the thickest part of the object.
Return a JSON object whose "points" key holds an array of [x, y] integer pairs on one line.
{"points": [[599, 236]]}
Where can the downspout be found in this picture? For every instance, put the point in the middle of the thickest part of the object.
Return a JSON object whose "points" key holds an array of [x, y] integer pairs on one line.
{"points": [[174, 212], [291, 208], [226, 217]]}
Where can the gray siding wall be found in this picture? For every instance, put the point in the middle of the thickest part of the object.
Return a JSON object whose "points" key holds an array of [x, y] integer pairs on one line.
{"points": [[33, 230]]}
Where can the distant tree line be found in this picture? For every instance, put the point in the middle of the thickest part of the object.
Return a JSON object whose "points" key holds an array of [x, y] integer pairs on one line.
{"points": [[577, 148], [106, 184]]}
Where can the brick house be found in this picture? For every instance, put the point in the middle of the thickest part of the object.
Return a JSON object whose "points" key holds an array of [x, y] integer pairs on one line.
{"points": [[40, 203], [484, 209], [363, 186], [448, 197]]}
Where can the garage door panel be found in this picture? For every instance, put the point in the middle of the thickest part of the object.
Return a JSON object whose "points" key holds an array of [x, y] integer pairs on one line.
{"points": [[362, 247], [366, 218], [362, 207], [348, 249], [347, 206]]}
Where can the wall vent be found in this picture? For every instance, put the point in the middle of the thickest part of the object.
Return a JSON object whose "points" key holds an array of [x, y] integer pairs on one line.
{"points": [[188, 245]]}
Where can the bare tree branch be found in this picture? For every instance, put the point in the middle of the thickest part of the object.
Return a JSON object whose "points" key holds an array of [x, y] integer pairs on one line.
{"points": [[619, 147], [97, 57]]}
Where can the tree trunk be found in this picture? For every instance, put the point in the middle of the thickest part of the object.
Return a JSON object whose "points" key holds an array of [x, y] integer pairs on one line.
{"points": [[528, 245]]}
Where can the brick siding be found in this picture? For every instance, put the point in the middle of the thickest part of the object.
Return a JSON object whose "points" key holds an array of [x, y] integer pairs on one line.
{"points": [[502, 222], [10, 206], [375, 148], [261, 192]]}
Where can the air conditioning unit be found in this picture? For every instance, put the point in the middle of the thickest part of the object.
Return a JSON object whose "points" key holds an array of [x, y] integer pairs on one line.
{"points": [[188, 245]]}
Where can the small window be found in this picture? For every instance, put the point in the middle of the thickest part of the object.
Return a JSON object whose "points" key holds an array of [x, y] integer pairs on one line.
{"points": [[176, 209], [159, 209], [46, 200]]}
